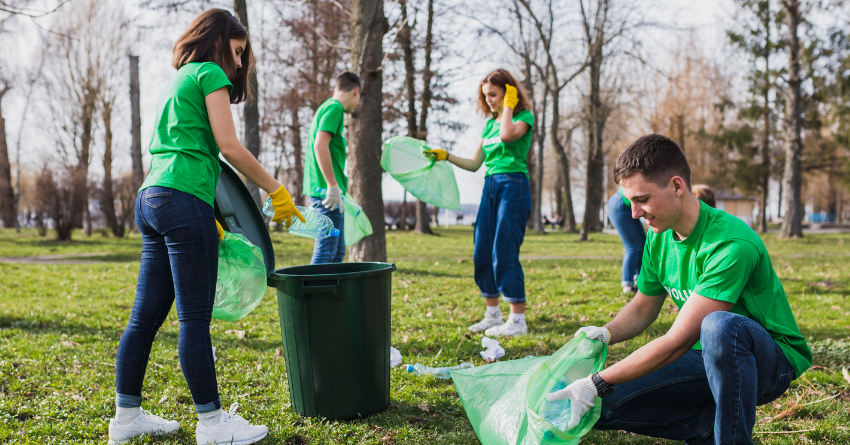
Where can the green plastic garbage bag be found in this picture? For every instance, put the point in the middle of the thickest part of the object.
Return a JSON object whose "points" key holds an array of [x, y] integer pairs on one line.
{"points": [[241, 281], [502, 400], [427, 180], [357, 225]]}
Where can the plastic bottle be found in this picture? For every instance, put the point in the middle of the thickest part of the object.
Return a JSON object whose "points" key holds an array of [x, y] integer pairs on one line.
{"points": [[316, 225], [440, 373], [557, 413], [351, 204]]}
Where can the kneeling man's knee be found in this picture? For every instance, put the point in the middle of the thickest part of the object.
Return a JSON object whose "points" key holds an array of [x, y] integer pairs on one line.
{"points": [[717, 331]]}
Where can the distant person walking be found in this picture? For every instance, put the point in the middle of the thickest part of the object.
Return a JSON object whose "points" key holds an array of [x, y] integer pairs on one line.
{"points": [[633, 236], [324, 164], [174, 213], [505, 203], [705, 194]]}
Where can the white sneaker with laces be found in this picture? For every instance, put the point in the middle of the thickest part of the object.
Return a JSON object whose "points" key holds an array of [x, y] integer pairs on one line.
{"points": [[511, 328], [145, 423], [231, 429], [486, 323]]}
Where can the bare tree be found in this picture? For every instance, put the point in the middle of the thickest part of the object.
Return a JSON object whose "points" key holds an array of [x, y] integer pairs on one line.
{"points": [[136, 124], [792, 226], [368, 26], [8, 212], [251, 110]]}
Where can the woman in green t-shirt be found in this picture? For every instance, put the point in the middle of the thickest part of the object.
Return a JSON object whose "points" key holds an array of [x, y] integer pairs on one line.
{"points": [[174, 213], [505, 202]]}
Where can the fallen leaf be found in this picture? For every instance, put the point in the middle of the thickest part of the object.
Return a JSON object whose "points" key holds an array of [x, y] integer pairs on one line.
{"points": [[424, 407], [845, 374], [583, 319], [162, 400], [428, 314], [278, 353], [78, 398]]}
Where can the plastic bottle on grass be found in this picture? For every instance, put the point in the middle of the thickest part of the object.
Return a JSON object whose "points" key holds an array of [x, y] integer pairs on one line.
{"points": [[440, 373], [557, 413], [316, 225]]}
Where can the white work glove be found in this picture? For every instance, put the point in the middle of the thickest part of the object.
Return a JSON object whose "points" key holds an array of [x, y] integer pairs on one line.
{"points": [[595, 333], [581, 394], [333, 199]]}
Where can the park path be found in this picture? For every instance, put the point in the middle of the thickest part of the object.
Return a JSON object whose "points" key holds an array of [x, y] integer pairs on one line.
{"points": [[53, 259]]}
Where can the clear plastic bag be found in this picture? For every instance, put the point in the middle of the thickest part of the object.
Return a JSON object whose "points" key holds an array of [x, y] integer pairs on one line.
{"points": [[503, 400], [427, 180], [241, 281]]}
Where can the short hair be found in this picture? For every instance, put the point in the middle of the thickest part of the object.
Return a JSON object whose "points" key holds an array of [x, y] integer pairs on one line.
{"points": [[208, 40], [500, 78], [347, 81], [657, 158], [705, 194]]}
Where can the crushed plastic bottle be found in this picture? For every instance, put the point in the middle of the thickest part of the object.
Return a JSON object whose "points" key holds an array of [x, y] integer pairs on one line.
{"points": [[440, 373], [557, 413], [349, 203], [315, 225]]}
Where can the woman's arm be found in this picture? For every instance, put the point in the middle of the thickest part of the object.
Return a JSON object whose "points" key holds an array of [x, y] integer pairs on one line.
{"points": [[221, 122], [509, 130], [469, 164]]}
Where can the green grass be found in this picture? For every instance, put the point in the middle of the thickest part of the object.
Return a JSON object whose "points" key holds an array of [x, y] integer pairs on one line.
{"points": [[60, 325]]}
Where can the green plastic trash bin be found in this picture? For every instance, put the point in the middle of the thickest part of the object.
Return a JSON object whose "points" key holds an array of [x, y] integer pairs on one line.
{"points": [[335, 324]]}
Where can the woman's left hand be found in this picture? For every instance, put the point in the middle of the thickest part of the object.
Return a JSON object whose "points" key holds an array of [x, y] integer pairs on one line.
{"points": [[510, 97]]}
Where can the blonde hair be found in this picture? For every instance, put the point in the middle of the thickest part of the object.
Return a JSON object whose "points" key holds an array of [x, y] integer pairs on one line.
{"points": [[705, 194]]}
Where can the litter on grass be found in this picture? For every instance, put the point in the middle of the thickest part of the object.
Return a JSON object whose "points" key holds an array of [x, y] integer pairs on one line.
{"points": [[493, 351]]}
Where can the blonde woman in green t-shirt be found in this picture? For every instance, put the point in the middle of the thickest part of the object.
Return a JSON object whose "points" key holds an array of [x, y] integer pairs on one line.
{"points": [[505, 202], [174, 213]]}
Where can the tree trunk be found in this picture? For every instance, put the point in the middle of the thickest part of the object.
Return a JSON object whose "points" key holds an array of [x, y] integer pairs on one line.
{"points": [[107, 201], [251, 111], [368, 26], [596, 116], [81, 181], [792, 224], [563, 159], [297, 157], [136, 125], [765, 137], [537, 202], [423, 218], [8, 212]]}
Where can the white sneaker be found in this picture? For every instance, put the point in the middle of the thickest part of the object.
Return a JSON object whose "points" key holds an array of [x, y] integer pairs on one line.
{"points": [[486, 323], [510, 329], [232, 429], [629, 289], [145, 423]]}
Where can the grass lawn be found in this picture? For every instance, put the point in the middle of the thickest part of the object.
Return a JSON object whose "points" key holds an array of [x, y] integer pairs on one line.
{"points": [[60, 325]]}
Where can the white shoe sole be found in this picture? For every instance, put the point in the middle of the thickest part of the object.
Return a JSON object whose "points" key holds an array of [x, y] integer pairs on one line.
{"points": [[119, 442], [475, 330], [241, 442]]}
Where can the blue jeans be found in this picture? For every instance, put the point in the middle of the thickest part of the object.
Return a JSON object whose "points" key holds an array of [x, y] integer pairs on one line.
{"points": [[499, 231], [709, 396], [331, 249], [633, 236], [179, 262]]}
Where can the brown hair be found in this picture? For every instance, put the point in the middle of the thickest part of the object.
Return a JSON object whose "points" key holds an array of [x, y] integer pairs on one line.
{"points": [[347, 81], [208, 40], [655, 157], [500, 78], [705, 194]]}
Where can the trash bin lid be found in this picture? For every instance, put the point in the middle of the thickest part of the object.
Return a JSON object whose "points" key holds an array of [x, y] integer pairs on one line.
{"points": [[236, 211]]}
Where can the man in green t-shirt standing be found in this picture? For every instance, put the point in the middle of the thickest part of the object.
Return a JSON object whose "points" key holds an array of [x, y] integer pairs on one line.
{"points": [[735, 343], [324, 165]]}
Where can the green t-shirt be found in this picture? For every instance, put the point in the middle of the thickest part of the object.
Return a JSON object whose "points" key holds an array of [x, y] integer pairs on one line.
{"points": [[507, 157], [329, 117], [183, 148], [724, 259]]}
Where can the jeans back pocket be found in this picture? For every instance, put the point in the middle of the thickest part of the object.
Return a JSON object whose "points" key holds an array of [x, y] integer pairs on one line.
{"points": [[155, 199]]}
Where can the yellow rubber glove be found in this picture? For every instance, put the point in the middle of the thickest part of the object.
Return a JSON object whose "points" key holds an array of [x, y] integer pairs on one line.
{"points": [[219, 229], [284, 208], [437, 154], [510, 97]]}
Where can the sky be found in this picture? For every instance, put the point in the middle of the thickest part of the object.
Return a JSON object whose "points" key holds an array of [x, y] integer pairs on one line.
{"points": [[152, 43]]}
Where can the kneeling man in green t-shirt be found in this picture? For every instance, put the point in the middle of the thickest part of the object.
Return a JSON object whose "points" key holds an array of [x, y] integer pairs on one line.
{"points": [[734, 344]]}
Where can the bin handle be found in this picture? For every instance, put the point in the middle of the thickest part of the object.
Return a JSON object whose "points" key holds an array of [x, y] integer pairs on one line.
{"points": [[320, 287]]}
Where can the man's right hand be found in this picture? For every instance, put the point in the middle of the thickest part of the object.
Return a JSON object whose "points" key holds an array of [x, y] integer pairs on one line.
{"points": [[333, 199], [595, 333]]}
